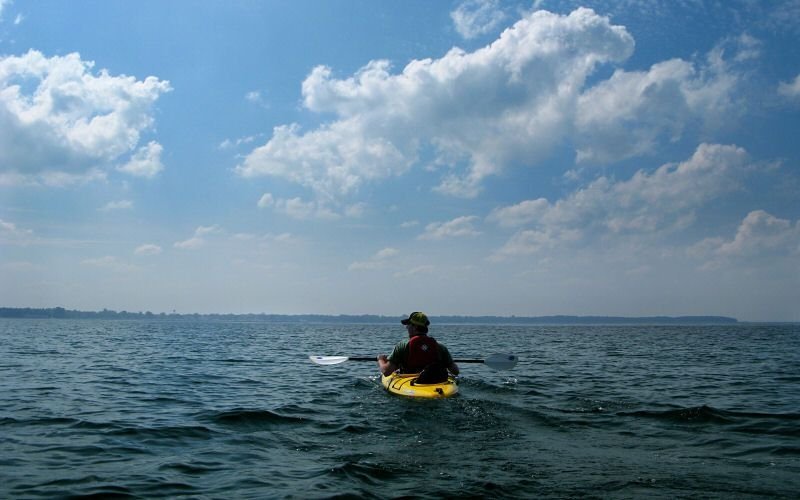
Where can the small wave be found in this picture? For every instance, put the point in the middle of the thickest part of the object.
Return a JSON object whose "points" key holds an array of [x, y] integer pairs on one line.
{"points": [[241, 361], [104, 492], [506, 386], [587, 405], [696, 414], [369, 473], [793, 417], [193, 469], [371, 382], [164, 400], [534, 392], [46, 421], [767, 449], [336, 428], [774, 428], [43, 388], [167, 432], [167, 489], [72, 488], [51, 421], [90, 425], [79, 450], [754, 422], [787, 450], [256, 418]]}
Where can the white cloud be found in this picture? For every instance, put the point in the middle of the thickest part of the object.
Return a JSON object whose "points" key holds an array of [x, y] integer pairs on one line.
{"points": [[266, 200], [282, 238], [192, 243], [257, 97], [58, 118], [235, 143], [377, 261], [198, 239], [146, 162], [10, 233], [473, 18], [519, 214], [51, 178], [334, 160], [759, 234], [456, 228], [7, 226], [790, 89], [266, 239], [386, 253], [632, 112], [745, 48], [117, 205], [297, 208], [426, 269], [784, 14], [147, 249], [505, 104], [663, 200], [355, 210], [204, 230], [531, 241]]}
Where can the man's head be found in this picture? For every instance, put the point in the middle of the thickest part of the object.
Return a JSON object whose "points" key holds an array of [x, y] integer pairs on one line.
{"points": [[417, 322]]}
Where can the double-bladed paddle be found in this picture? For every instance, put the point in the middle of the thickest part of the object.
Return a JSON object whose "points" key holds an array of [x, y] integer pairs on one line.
{"points": [[497, 361]]}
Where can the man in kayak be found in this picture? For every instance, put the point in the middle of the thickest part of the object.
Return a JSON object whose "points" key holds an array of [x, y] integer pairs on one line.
{"points": [[419, 353]]}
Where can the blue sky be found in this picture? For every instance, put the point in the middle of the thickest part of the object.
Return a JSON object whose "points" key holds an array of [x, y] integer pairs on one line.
{"points": [[478, 157]]}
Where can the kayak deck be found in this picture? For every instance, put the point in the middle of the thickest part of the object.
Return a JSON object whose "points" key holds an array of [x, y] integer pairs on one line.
{"points": [[404, 384]]}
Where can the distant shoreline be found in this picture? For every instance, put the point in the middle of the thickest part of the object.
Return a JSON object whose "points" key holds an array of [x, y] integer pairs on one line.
{"points": [[61, 313]]}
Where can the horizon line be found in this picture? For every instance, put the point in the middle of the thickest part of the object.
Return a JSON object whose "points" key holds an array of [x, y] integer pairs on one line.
{"points": [[61, 312]]}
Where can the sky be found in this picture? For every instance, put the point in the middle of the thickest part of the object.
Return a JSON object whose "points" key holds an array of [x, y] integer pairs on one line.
{"points": [[480, 157]]}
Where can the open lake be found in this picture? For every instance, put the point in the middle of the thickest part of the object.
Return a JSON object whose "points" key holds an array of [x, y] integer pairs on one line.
{"points": [[214, 409]]}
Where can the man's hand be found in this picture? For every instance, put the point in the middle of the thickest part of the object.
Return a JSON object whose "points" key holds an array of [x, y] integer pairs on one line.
{"points": [[385, 366]]}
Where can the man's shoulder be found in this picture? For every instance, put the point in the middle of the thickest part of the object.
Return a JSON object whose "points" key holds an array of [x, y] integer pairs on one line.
{"points": [[401, 345]]}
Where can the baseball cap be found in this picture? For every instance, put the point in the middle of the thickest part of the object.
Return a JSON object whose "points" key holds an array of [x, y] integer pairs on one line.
{"points": [[417, 319]]}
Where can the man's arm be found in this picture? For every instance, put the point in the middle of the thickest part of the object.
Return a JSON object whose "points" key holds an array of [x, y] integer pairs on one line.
{"points": [[453, 368], [385, 366], [447, 360]]}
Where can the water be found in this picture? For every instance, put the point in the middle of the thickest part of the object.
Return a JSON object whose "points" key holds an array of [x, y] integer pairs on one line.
{"points": [[234, 410]]}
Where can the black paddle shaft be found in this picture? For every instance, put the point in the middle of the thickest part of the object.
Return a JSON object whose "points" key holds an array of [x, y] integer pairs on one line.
{"points": [[367, 358]]}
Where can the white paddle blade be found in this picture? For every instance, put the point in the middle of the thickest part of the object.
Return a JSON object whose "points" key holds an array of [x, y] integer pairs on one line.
{"points": [[328, 360], [501, 361]]}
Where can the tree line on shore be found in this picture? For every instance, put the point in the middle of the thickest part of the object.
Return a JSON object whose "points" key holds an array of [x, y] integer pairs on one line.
{"points": [[61, 313]]}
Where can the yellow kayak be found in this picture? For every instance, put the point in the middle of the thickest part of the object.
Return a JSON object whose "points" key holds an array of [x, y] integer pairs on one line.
{"points": [[404, 384]]}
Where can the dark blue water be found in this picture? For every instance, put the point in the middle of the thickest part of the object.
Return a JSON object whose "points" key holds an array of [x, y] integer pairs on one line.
{"points": [[235, 410]]}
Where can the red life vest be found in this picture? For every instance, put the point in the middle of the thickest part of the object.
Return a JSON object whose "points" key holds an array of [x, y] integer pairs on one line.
{"points": [[422, 351]]}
